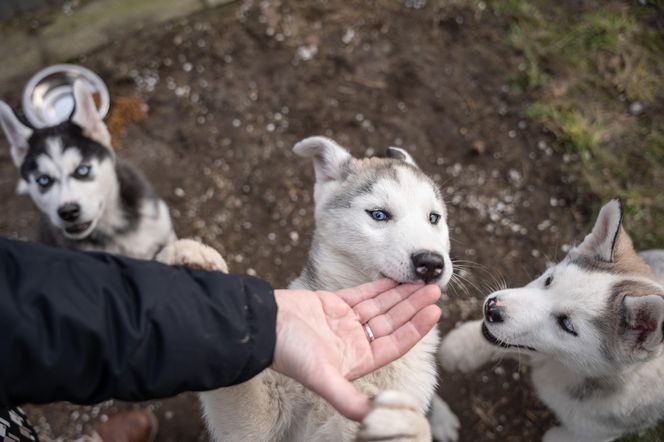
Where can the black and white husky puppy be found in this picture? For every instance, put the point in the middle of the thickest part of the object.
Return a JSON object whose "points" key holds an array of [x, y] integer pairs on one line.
{"points": [[89, 201]]}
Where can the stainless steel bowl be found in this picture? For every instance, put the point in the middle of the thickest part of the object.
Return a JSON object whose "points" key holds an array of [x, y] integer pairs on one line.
{"points": [[48, 98]]}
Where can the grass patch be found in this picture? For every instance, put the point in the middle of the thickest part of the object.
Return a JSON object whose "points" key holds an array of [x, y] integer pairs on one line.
{"points": [[595, 80], [574, 130]]}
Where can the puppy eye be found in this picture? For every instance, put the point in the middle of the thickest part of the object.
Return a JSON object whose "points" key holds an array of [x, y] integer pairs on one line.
{"points": [[548, 281], [44, 181], [379, 215], [82, 171], [434, 218], [566, 324]]}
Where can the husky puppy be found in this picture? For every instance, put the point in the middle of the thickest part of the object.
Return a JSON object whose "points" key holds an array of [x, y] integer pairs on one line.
{"points": [[375, 218], [592, 327], [87, 199]]}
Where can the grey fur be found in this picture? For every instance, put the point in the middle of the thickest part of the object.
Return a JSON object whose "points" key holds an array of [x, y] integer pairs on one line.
{"points": [[594, 388], [592, 264], [655, 259], [361, 176]]}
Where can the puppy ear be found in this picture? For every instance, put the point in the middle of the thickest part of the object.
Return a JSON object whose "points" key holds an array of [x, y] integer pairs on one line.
{"points": [[331, 161], [22, 187], [16, 132], [399, 153], [643, 320], [87, 116], [607, 234]]}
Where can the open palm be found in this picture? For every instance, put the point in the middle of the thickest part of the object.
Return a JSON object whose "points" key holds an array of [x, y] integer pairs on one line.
{"points": [[322, 344]]}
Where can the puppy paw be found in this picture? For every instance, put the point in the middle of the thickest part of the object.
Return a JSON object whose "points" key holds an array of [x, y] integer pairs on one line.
{"points": [[192, 254], [444, 423], [394, 418], [465, 349]]}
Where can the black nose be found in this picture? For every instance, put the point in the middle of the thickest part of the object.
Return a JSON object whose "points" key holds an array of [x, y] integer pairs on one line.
{"points": [[493, 312], [69, 212], [428, 266]]}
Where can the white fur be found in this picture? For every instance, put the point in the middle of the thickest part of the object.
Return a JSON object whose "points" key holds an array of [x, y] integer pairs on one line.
{"points": [[87, 116], [17, 133], [91, 195], [192, 253]]}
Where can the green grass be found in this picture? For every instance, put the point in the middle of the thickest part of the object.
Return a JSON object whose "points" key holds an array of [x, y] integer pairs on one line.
{"points": [[576, 131], [581, 70]]}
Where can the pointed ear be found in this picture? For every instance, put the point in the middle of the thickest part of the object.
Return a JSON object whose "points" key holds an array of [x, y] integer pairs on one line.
{"points": [[400, 154], [22, 187], [331, 161], [644, 317], [87, 116], [16, 132], [606, 235]]}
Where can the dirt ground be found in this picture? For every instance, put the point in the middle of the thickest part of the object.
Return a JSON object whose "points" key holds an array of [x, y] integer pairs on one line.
{"points": [[229, 93]]}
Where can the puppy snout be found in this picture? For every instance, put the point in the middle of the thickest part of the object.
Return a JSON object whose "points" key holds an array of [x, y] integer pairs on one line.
{"points": [[69, 212], [428, 266], [494, 311]]}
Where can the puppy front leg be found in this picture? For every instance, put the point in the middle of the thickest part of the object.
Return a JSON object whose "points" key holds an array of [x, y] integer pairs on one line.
{"points": [[465, 349], [395, 417], [252, 411], [444, 423], [193, 254]]}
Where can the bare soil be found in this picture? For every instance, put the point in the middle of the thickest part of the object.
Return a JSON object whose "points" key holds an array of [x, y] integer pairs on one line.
{"points": [[229, 93]]}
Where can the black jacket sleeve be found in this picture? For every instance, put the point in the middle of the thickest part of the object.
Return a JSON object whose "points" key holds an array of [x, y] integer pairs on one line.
{"points": [[85, 327]]}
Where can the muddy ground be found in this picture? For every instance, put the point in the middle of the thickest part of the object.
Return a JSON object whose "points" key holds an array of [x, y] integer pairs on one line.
{"points": [[229, 92]]}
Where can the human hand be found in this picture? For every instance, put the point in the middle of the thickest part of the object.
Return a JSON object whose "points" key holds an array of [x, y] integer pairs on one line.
{"points": [[321, 341]]}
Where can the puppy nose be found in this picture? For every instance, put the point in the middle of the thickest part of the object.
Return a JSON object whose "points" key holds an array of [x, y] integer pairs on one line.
{"points": [[69, 212], [428, 266], [492, 311]]}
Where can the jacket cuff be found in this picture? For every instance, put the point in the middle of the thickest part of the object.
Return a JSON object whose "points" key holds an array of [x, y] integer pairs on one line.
{"points": [[261, 314]]}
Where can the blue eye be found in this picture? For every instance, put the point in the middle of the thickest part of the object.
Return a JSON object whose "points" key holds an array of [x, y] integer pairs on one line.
{"points": [[379, 215], [44, 181], [566, 324], [434, 218], [82, 171], [548, 281]]}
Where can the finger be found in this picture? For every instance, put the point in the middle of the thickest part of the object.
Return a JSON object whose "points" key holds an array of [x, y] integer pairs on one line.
{"points": [[393, 346], [354, 295], [404, 311], [380, 304], [342, 395]]}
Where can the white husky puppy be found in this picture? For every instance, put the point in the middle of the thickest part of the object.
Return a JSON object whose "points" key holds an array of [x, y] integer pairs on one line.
{"points": [[89, 201], [375, 218], [592, 327]]}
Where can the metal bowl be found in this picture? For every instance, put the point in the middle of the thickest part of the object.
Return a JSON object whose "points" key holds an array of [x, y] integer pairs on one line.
{"points": [[48, 98]]}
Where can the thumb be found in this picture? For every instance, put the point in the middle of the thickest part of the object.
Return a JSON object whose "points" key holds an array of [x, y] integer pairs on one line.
{"points": [[342, 395]]}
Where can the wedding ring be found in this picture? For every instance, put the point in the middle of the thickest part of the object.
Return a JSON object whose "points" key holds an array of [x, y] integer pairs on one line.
{"points": [[369, 333]]}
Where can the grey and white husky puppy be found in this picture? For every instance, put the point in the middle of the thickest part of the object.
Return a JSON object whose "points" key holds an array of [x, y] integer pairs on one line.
{"points": [[89, 201], [592, 328], [375, 218]]}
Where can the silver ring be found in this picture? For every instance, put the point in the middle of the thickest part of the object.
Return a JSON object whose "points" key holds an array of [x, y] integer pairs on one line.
{"points": [[368, 331]]}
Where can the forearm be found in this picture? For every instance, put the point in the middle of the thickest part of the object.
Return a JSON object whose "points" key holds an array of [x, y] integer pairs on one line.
{"points": [[88, 327]]}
